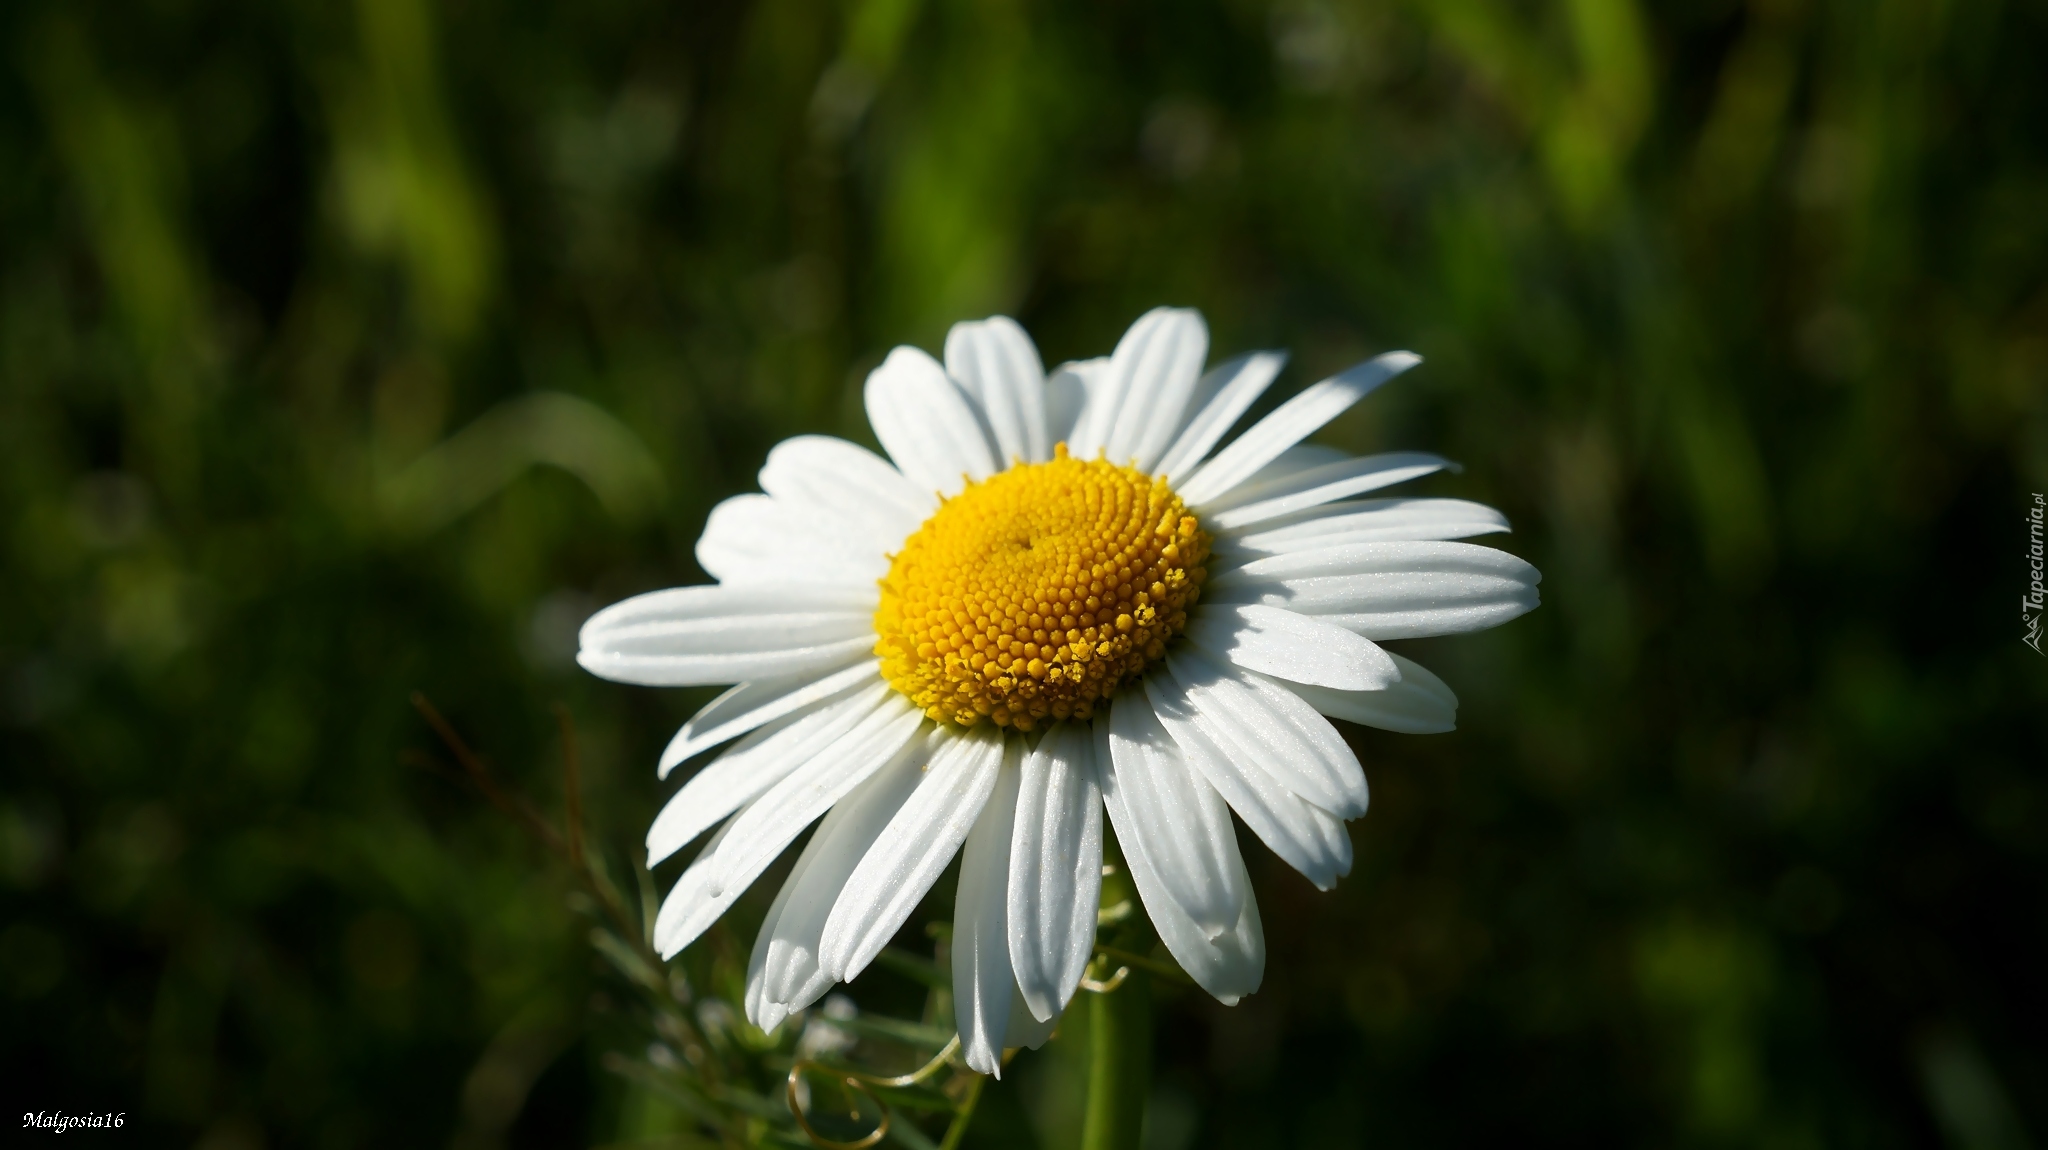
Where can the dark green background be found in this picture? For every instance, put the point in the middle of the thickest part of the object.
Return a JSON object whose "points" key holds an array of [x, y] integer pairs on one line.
{"points": [[1739, 311]]}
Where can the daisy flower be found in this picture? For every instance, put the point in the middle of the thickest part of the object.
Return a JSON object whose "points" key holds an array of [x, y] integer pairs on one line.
{"points": [[1056, 597]]}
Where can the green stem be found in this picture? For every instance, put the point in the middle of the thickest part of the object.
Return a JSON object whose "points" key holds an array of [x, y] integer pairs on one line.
{"points": [[1120, 1075], [965, 1114]]}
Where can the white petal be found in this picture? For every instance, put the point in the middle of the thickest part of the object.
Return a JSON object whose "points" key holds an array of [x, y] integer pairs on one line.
{"points": [[1420, 704], [1363, 521], [689, 908], [711, 601], [778, 816], [847, 481], [1153, 371], [1294, 421], [1228, 966], [1389, 590], [1221, 398], [1066, 396], [1293, 461], [687, 912], [726, 667], [996, 363], [920, 841], [718, 634], [1182, 821], [1056, 870], [784, 975], [762, 1013], [761, 539], [1298, 648], [926, 423], [759, 761], [1282, 734], [1309, 838], [1258, 503], [1024, 1030], [756, 703], [1108, 386], [982, 984]]}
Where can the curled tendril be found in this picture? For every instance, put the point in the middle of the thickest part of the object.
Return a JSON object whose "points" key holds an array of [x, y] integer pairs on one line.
{"points": [[1108, 984], [865, 1084]]}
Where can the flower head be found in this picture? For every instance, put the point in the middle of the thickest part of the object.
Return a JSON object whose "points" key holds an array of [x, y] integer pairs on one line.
{"points": [[1056, 598], [1037, 593]]}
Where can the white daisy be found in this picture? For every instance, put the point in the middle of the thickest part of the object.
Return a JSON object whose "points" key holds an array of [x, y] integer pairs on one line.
{"points": [[950, 655]]}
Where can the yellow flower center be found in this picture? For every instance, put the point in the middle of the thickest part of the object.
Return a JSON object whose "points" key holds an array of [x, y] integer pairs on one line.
{"points": [[1035, 593]]}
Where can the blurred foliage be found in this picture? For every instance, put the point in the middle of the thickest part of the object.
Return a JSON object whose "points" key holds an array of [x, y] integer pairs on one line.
{"points": [[725, 1082], [348, 349]]}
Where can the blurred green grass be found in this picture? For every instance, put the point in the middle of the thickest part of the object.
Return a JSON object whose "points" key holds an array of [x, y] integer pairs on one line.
{"points": [[349, 349]]}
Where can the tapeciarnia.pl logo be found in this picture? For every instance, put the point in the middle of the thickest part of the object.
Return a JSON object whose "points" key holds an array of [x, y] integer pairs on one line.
{"points": [[2036, 597]]}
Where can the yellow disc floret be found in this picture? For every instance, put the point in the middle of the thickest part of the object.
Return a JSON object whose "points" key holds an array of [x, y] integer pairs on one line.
{"points": [[1034, 594]]}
